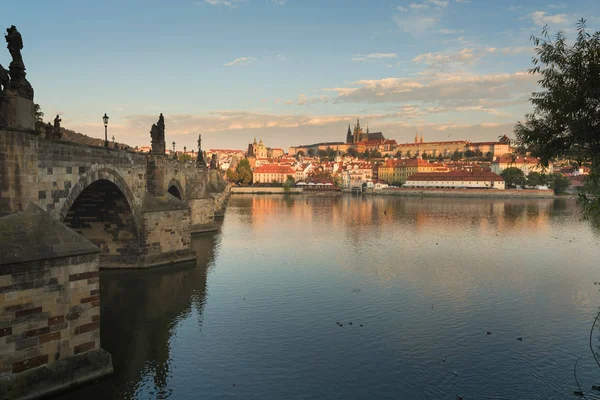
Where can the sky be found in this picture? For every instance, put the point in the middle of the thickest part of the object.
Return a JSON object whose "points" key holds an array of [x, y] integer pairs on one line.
{"points": [[291, 72]]}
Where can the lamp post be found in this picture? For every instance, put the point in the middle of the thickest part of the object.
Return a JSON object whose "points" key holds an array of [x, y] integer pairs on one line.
{"points": [[174, 154], [105, 119]]}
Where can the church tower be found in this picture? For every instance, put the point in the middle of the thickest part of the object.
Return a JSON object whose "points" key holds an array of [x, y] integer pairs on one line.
{"points": [[421, 138], [417, 137], [357, 131], [349, 135]]}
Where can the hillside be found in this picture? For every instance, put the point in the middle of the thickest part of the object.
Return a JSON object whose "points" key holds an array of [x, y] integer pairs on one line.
{"points": [[77, 137]]}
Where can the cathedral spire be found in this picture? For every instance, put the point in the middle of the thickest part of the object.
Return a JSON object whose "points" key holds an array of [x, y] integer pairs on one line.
{"points": [[417, 137], [421, 138]]}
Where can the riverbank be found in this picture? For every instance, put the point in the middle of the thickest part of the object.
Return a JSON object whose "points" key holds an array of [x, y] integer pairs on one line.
{"points": [[466, 193]]}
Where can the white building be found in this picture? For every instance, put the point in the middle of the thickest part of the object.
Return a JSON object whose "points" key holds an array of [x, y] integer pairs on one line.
{"points": [[455, 180], [526, 165]]}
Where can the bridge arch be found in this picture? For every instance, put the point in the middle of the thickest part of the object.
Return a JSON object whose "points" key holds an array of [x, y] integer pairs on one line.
{"points": [[100, 207], [176, 189]]}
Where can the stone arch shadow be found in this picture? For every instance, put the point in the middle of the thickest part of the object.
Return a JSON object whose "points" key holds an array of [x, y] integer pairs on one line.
{"points": [[176, 189], [101, 207]]}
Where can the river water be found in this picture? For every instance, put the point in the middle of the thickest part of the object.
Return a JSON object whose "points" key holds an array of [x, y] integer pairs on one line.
{"points": [[255, 317]]}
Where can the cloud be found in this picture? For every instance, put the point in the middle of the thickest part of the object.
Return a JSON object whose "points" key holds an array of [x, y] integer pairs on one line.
{"points": [[540, 18], [279, 2], [418, 6], [240, 62], [450, 31], [226, 3], [302, 99], [458, 89], [439, 3], [415, 25], [466, 55], [463, 1], [374, 56]]}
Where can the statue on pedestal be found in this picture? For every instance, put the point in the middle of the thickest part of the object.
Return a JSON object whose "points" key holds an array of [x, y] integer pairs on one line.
{"points": [[18, 85], [200, 160], [157, 133], [56, 133]]}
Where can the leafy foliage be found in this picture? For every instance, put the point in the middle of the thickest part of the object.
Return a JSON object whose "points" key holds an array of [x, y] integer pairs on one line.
{"points": [[537, 179], [559, 182], [242, 175], [513, 177], [39, 119], [565, 121]]}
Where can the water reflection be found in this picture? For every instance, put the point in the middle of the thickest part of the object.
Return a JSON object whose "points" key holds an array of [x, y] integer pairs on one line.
{"points": [[427, 277], [140, 312]]}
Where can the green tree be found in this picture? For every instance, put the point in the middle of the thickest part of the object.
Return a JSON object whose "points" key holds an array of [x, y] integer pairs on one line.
{"points": [[337, 181], [469, 154], [564, 121], [408, 154], [399, 154], [456, 156], [232, 176], [310, 152], [513, 177], [537, 179], [39, 119], [244, 172], [322, 154], [289, 182], [425, 156], [299, 154], [559, 183], [441, 157], [489, 156], [352, 152]]}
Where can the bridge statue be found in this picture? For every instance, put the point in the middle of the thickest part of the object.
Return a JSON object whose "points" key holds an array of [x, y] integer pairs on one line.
{"points": [[16, 99], [56, 133], [157, 133], [200, 159]]}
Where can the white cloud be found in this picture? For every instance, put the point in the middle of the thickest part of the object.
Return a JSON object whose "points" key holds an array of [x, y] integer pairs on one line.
{"points": [[439, 3], [373, 56], [415, 25], [466, 55], [280, 2], [418, 6], [450, 31], [226, 3], [240, 62], [302, 99], [540, 18], [459, 89], [463, 1]]}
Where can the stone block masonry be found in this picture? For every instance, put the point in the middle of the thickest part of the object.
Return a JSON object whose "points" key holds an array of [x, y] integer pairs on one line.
{"points": [[49, 307], [102, 194]]}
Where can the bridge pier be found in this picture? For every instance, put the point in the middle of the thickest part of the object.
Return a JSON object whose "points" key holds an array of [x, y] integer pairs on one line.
{"points": [[49, 307]]}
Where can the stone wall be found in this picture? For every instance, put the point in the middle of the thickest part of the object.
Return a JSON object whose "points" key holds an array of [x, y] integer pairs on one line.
{"points": [[263, 190], [466, 193], [49, 307], [166, 237]]}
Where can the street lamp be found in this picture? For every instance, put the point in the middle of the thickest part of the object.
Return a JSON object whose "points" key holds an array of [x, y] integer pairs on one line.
{"points": [[105, 119]]}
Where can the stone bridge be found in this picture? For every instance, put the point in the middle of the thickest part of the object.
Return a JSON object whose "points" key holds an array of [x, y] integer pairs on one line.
{"points": [[139, 209], [66, 210]]}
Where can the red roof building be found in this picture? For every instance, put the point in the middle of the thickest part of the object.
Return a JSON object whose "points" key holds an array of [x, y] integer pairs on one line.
{"points": [[271, 172]]}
